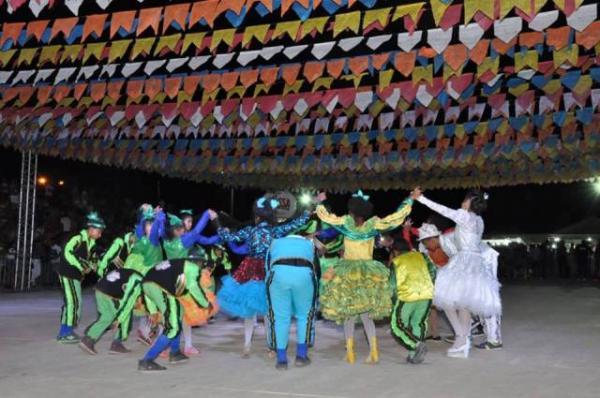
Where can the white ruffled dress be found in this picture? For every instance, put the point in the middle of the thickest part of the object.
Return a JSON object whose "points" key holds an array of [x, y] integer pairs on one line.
{"points": [[466, 282]]}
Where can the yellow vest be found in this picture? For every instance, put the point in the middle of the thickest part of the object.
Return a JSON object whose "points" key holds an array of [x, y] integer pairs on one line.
{"points": [[413, 281]]}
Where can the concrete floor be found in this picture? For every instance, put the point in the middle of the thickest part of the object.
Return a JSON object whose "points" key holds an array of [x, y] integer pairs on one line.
{"points": [[551, 336]]}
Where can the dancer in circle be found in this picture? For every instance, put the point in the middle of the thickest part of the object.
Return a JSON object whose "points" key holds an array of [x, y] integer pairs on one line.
{"points": [[79, 258], [243, 294], [357, 285], [465, 285], [292, 291]]}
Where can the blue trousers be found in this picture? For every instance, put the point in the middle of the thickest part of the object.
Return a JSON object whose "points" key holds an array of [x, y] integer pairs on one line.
{"points": [[291, 292]]}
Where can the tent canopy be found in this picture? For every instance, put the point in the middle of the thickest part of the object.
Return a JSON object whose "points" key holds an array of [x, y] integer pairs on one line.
{"points": [[319, 93]]}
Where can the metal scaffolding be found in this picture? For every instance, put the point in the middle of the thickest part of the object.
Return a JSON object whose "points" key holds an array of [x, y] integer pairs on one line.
{"points": [[26, 223]]}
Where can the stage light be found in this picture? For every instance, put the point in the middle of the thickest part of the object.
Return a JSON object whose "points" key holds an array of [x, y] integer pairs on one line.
{"points": [[589, 239], [305, 199], [556, 239], [554, 246], [42, 180], [596, 186], [61, 183]]}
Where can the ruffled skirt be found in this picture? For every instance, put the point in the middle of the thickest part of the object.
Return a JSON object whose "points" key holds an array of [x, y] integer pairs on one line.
{"points": [[466, 283], [357, 287], [198, 316], [244, 294]]}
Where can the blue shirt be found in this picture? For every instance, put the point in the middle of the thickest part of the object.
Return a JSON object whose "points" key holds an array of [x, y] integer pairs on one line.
{"points": [[258, 238]]}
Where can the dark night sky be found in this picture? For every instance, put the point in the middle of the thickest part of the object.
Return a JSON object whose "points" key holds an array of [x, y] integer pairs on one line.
{"points": [[521, 209]]}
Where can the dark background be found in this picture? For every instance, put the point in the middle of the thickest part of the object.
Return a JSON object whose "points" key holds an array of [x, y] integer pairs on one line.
{"points": [[520, 209]]}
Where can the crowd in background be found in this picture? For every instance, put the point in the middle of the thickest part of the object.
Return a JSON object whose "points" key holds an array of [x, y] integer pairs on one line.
{"points": [[61, 210], [550, 260]]}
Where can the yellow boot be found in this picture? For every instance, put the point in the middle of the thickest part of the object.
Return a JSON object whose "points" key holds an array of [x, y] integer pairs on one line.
{"points": [[374, 355], [350, 357]]}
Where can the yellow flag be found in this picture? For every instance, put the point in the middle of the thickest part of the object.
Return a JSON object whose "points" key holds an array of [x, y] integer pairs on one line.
{"points": [[259, 32], [422, 73], [93, 49], [322, 82], [385, 78], [438, 8], [291, 28], [311, 24], [381, 15], [26, 55], [6, 56], [563, 55], [142, 46], [118, 49], [411, 10], [491, 64], [70, 53], [349, 20], [195, 39], [294, 88], [530, 58], [472, 6], [239, 90], [222, 35], [169, 42], [49, 54]]}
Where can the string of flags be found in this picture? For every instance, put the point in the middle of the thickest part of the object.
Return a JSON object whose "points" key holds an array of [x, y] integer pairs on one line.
{"points": [[454, 92]]}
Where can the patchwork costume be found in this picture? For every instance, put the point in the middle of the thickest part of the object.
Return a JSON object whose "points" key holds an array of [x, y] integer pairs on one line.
{"points": [[292, 290]]}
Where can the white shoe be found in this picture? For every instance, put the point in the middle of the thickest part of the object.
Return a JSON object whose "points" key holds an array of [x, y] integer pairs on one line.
{"points": [[460, 352]]}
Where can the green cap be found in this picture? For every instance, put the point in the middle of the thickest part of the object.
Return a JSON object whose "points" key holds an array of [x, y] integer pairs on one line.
{"points": [[174, 221], [95, 221], [186, 213]]}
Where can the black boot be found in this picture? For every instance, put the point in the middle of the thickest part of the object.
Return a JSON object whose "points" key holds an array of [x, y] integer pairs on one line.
{"points": [[87, 345], [147, 365], [281, 365], [177, 357], [118, 348], [302, 362]]}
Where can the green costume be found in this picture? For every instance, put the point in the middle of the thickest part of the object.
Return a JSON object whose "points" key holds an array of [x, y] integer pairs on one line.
{"points": [[79, 258], [117, 253], [110, 290]]}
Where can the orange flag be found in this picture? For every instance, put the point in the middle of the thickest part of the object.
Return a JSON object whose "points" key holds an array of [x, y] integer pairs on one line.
{"points": [[123, 19], [36, 29], [64, 26], [93, 24], [176, 13], [149, 18]]}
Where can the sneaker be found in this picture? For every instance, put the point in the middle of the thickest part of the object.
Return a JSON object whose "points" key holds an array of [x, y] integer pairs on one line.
{"points": [[489, 346], [118, 348], [70, 338], [419, 354], [281, 365], [477, 330], [87, 345], [302, 362], [146, 365], [191, 352], [178, 357], [143, 339]]}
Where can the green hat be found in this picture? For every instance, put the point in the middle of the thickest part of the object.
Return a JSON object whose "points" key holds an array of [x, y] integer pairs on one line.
{"points": [[148, 215], [94, 221], [186, 213], [174, 221]]}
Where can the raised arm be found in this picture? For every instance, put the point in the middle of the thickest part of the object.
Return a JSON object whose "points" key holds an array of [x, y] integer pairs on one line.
{"points": [[240, 250], [109, 256], [158, 228], [285, 229], [139, 229], [235, 237], [328, 217], [202, 223], [458, 216], [395, 219]]}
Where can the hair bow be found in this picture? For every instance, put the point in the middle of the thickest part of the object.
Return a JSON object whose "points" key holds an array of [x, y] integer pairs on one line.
{"points": [[274, 204], [260, 203], [361, 195]]}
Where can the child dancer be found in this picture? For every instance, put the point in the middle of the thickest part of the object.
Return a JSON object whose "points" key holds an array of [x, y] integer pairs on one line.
{"points": [[414, 288], [292, 286], [243, 294], [357, 285], [79, 258], [465, 286]]}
